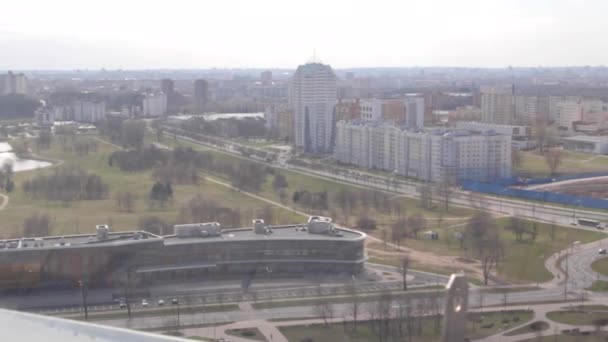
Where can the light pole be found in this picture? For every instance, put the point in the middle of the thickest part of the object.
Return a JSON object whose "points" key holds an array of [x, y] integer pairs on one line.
{"points": [[83, 293], [177, 305]]}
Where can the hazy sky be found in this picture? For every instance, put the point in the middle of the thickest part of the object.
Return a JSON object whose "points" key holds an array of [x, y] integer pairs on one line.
{"points": [[71, 34]]}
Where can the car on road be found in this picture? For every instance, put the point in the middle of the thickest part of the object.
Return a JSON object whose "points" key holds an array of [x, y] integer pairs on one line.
{"points": [[122, 305], [601, 251], [161, 302], [174, 301], [144, 303]]}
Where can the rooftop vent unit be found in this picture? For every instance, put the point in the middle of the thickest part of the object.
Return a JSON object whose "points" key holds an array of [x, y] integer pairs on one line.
{"points": [[259, 227], [320, 225], [103, 230], [197, 230]]}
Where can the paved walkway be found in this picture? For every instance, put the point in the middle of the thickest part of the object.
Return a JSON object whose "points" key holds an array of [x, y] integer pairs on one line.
{"points": [[5, 200]]}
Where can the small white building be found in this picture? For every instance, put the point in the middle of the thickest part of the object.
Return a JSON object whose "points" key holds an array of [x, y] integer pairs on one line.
{"points": [[587, 144], [154, 105]]}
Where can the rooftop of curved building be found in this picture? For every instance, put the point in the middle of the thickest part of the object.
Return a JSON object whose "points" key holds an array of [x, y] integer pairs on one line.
{"points": [[298, 232]]}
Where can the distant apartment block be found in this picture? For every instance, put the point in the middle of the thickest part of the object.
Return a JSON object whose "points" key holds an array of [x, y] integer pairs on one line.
{"points": [[408, 111], [430, 155], [348, 109], [512, 130], [466, 113], [154, 105], [79, 111], [497, 104], [266, 77], [312, 97], [12, 83], [279, 117], [201, 94], [521, 136], [527, 108], [568, 112], [167, 86]]}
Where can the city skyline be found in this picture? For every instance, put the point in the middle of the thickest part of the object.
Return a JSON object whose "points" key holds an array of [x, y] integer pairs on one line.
{"points": [[195, 35]]}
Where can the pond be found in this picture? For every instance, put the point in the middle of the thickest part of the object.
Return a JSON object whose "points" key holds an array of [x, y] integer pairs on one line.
{"points": [[7, 156]]}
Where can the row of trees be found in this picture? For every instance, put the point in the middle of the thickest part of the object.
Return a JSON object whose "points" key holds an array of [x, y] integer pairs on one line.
{"points": [[408, 227], [199, 209], [82, 146], [389, 318], [16, 106], [127, 133], [66, 184], [6, 177]]}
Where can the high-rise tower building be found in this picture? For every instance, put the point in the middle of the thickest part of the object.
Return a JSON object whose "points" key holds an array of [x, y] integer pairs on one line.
{"points": [[497, 105], [201, 94], [12, 83], [167, 86], [312, 96]]}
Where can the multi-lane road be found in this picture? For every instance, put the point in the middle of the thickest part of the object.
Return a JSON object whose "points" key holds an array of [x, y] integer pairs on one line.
{"points": [[532, 210]]}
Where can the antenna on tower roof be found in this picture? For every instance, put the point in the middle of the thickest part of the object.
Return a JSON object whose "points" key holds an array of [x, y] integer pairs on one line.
{"points": [[315, 57]]}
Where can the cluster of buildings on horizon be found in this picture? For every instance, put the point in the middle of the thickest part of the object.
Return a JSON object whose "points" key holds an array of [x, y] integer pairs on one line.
{"points": [[421, 130]]}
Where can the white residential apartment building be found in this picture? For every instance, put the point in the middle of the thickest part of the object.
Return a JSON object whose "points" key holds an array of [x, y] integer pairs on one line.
{"points": [[497, 104], [408, 111], [12, 83], [154, 105], [430, 155], [568, 112], [521, 135], [79, 111], [312, 97], [527, 109]]}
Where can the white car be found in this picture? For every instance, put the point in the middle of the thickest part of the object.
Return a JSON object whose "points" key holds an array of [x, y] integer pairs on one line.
{"points": [[161, 302], [144, 303]]}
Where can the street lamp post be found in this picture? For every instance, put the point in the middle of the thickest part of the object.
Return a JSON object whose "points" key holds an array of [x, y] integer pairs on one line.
{"points": [[83, 293], [178, 313]]}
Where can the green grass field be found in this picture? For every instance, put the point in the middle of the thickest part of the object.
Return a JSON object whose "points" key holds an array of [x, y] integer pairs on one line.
{"points": [[248, 333], [478, 326], [567, 338], [600, 266], [572, 162], [524, 261], [586, 316], [529, 328], [82, 216], [599, 286]]}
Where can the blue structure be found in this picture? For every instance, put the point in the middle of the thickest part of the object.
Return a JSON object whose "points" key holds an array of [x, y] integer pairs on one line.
{"points": [[503, 187]]}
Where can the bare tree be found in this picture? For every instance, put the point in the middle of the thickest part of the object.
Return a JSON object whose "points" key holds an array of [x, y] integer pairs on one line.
{"points": [[398, 229], [444, 190], [416, 223], [37, 224], [384, 238], [383, 315], [491, 253], [125, 201], [516, 158], [544, 134], [425, 192], [354, 307], [505, 296], [404, 267], [553, 158], [323, 308], [552, 229]]}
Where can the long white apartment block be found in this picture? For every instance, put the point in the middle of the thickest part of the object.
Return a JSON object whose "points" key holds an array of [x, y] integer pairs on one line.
{"points": [[430, 155]]}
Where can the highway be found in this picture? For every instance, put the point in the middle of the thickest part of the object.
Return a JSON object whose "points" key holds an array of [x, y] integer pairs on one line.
{"points": [[531, 210]]}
